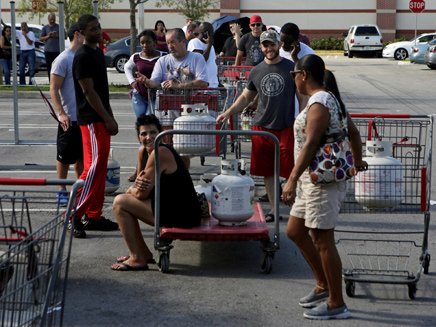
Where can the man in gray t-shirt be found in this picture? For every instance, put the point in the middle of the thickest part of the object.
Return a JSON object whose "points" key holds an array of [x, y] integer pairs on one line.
{"points": [[275, 113], [50, 37]]}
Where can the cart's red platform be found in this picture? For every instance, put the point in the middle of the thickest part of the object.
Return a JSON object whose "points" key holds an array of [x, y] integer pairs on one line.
{"points": [[210, 230]]}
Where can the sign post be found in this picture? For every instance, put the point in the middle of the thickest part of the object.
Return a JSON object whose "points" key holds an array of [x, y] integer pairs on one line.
{"points": [[417, 7]]}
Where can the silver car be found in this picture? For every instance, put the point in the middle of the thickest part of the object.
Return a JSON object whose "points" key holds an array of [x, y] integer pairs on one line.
{"points": [[430, 55], [417, 53]]}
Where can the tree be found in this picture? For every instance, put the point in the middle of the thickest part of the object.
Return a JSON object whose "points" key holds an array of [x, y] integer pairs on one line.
{"points": [[73, 9], [133, 5], [195, 9]]}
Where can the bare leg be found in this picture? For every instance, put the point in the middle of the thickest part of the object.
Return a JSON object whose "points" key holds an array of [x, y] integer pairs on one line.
{"points": [[62, 172], [78, 168], [324, 241], [299, 234], [269, 187], [128, 210]]}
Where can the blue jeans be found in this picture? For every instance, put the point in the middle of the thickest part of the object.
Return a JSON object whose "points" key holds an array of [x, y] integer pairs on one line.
{"points": [[139, 104], [29, 58], [7, 67]]}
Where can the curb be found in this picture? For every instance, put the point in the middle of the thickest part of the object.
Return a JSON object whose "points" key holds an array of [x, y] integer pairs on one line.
{"points": [[36, 95]]}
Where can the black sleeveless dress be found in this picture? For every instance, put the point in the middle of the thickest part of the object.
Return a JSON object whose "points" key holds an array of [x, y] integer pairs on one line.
{"points": [[179, 205]]}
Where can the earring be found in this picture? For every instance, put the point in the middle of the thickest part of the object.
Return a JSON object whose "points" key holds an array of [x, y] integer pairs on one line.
{"points": [[304, 79]]}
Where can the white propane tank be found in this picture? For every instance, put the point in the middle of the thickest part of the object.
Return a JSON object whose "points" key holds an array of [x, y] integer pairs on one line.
{"points": [[194, 117], [205, 185], [112, 175], [380, 187], [232, 195]]}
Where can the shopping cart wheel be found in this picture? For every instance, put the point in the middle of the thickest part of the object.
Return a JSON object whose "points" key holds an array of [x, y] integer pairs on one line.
{"points": [[164, 262], [426, 263], [412, 291], [266, 262], [202, 160], [350, 288]]}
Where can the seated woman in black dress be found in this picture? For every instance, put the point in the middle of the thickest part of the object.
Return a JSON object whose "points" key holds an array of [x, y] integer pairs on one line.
{"points": [[179, 204]]}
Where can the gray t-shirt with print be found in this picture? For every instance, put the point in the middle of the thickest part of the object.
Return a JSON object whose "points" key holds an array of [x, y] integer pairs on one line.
{"points": [[276, 90]]}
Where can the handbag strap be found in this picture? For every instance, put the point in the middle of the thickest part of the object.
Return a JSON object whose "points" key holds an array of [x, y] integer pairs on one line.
{"points": [[341, 117]]}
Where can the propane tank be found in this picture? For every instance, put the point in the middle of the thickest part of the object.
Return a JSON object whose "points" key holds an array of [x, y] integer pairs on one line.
{"points": [[194, 117], [205, 185], [381, 186], [232, 195], [112, 175]]}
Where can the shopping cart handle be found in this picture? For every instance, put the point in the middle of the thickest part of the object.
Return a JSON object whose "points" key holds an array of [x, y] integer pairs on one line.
{"points": [[35, 181]]}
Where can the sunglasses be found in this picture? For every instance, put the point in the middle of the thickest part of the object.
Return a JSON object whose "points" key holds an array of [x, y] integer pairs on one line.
{"points": [[196, 34], [295, 72], [256, 24]]}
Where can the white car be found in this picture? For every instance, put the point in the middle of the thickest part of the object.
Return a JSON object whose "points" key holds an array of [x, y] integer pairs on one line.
{"points": [[402, 50], [363, 39]]}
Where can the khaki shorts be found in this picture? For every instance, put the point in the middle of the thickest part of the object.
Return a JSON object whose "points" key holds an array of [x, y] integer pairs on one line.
{"points": [[319, 205]]}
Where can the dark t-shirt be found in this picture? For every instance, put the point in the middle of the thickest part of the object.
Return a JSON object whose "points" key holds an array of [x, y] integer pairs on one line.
{"points": [[90, 63], [229, 47], [179, 204], [276, 89], [250, 45]]}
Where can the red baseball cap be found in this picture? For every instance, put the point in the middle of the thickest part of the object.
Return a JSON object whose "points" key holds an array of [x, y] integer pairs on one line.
{"points": [[255, 19]]}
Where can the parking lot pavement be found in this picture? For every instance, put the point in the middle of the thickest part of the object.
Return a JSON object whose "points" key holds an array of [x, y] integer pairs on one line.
{"points": [[220, 283]]}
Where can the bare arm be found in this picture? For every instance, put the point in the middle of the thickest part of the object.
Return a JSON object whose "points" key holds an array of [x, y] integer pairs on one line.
{"points": [[318, 119], [29, 41], [244, 99], [302, 100], [239, 56], [56, 82], [167, 165], [356, 145], [94, 100], [237, 29]]}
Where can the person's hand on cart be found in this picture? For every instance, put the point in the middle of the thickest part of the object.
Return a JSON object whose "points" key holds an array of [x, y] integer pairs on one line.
{"points": [[223, 117], [360, 165]]}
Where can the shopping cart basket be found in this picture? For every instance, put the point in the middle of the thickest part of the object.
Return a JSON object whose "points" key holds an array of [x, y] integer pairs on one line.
{"points": [[229, 75], [34, 251], [209, 230], [168, 105], [386, 203]]}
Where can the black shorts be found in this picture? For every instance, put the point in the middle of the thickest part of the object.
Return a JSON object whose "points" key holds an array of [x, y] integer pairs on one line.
{"points": [[69, 144]]}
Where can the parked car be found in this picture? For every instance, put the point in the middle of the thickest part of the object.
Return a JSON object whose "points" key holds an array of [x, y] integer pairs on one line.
{"points": [[363, 39], [118, 53], [417, 53], [430, 55], [401, 50]]}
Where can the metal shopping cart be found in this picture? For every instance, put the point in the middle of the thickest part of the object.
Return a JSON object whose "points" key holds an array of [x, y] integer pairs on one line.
{"points": [[167, 106], [229, 75], [256, 228], [34, 252], [385, 234]]}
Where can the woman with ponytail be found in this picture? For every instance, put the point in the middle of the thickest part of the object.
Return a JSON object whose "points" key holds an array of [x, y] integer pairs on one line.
{"points": [[315, 207]]}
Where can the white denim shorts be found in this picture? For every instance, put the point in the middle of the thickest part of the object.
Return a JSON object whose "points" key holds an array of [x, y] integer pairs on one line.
{"points": [[319, 205]]}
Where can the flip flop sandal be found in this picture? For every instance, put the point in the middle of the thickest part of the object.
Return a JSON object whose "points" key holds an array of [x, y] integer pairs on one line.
{"points": [[132, 177], [269, 218], [130, 268], [122, 259]]}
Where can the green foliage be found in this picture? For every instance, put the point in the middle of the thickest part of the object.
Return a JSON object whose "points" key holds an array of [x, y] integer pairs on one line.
{"points": [[195, 9], [400, 39], [73, 9], [329, 43]]}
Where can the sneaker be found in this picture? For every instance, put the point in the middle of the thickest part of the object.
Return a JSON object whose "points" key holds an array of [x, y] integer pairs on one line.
{"points": [[78, 231], [103, 224], [312, 299], [321, 312], [61, 198]]}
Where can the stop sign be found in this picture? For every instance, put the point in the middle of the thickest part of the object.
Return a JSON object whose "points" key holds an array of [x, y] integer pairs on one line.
{"points": [[417, 6]]}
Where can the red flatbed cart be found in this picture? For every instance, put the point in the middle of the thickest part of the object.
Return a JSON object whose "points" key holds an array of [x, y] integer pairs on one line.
{"points": [[209, 230]]}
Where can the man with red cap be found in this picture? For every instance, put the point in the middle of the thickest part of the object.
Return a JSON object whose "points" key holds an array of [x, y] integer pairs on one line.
{"points": [[249, 45]]}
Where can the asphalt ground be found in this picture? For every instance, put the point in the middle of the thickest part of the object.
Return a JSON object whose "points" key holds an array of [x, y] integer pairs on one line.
{"points": [[221, 283]]}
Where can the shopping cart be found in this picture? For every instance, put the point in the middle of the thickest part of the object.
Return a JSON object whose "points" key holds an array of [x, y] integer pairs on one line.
{"points": [[229, 75], [34, 252], [167, 106], [387, 203], [210, 230]]}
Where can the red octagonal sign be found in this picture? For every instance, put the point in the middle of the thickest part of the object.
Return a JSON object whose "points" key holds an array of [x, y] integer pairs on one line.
{"points": [[417, 6]]}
